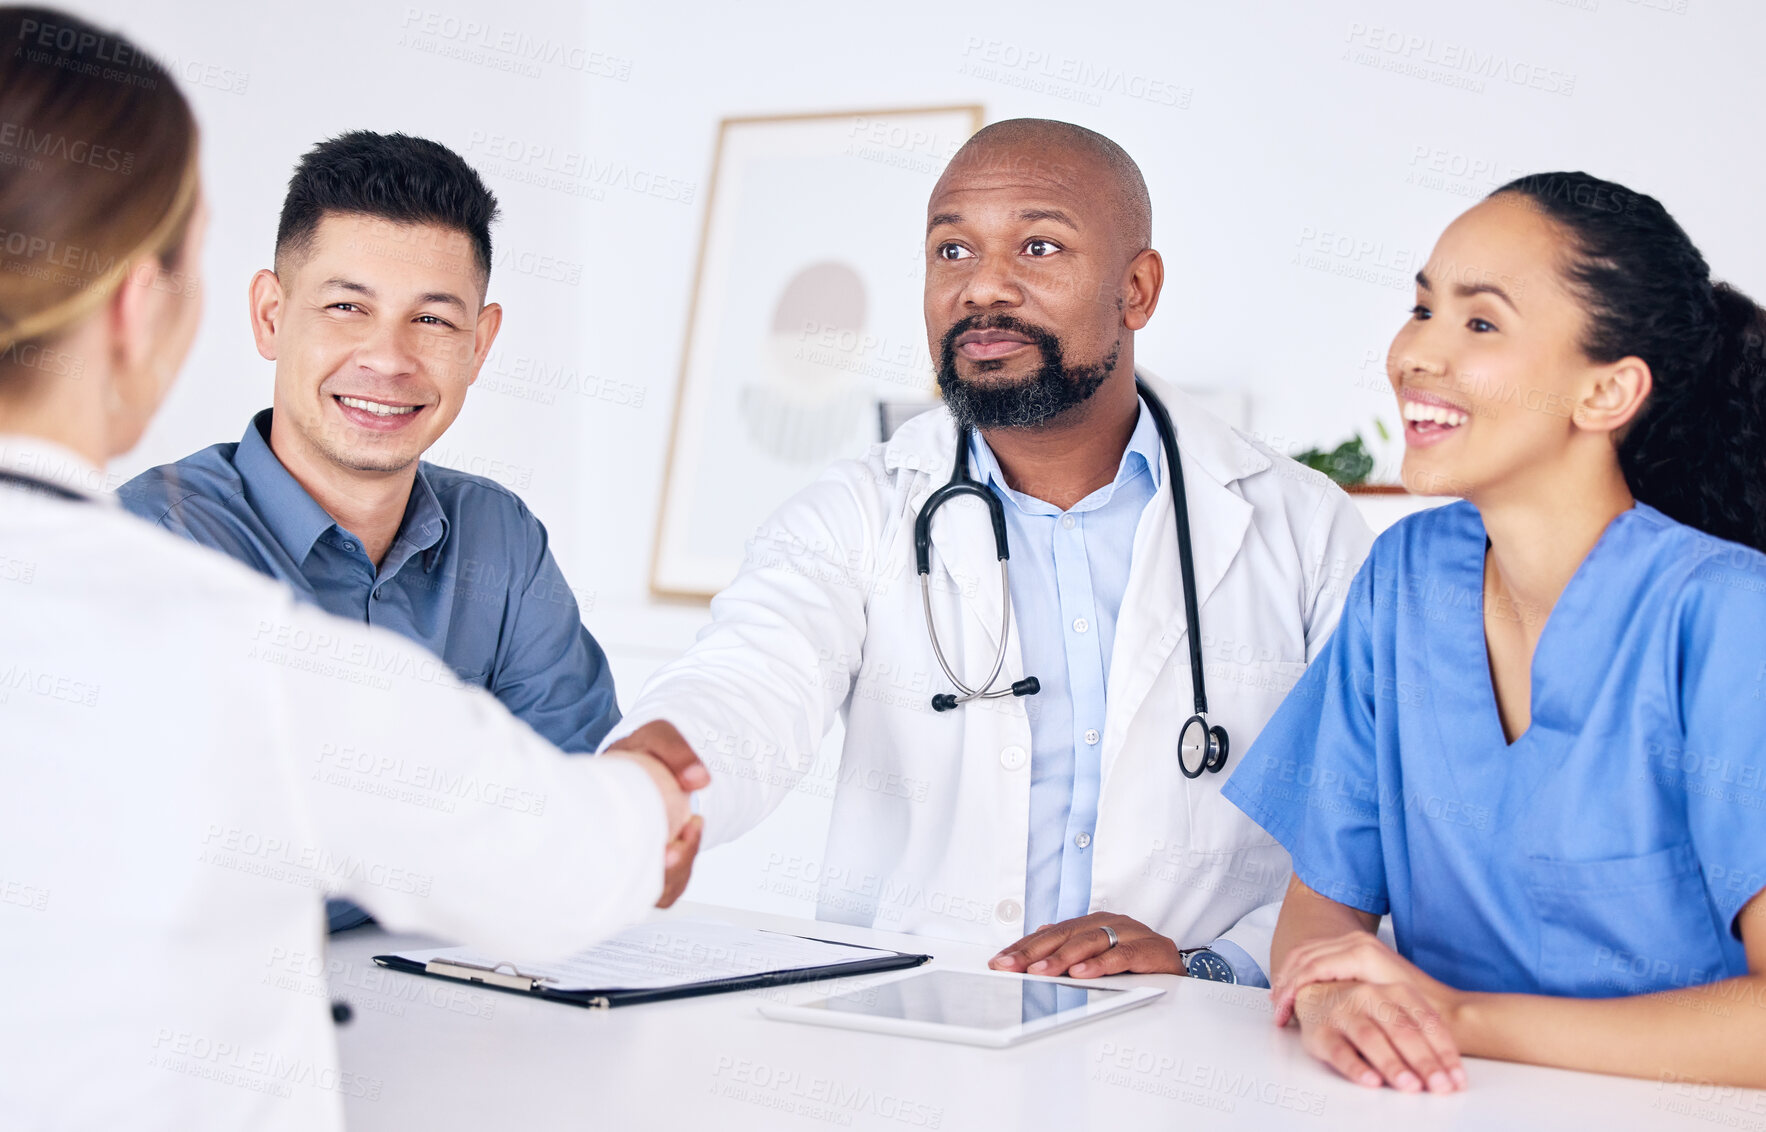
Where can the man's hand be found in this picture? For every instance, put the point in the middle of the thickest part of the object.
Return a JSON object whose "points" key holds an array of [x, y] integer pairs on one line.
{"points": [[660, 743], [675, 807], [1080, 948], [1371, 1014], [678, 860]]}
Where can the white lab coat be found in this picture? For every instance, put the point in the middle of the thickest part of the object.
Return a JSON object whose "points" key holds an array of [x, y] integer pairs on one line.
{"points": [[930, 817], [191, 761]]}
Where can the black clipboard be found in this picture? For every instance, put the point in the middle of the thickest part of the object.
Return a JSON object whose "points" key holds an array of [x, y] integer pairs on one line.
{"points": [[514, 982]]}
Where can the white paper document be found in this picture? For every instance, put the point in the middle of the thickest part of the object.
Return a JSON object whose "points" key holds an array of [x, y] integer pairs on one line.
{"points": [[668, 953]]}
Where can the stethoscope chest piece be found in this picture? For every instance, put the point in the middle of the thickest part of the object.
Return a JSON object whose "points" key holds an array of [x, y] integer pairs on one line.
{"points": [[1201, 746]]}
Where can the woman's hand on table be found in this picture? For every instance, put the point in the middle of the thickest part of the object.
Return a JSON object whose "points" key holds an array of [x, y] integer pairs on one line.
{"points": [[1371, 1014]]}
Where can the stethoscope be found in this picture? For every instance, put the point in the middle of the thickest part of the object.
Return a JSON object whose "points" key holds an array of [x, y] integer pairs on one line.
{"points": [[1207, 746], [41, 487]]}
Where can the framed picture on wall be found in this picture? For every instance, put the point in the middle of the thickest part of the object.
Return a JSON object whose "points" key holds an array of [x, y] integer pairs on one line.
{"points": [[806, 317]]}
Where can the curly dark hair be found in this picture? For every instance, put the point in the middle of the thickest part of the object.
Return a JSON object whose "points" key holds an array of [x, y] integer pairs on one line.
{"points": [[1697, 450]]}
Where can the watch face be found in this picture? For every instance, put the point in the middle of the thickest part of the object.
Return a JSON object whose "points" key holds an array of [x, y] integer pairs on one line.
{"points": [[1210, 966]]}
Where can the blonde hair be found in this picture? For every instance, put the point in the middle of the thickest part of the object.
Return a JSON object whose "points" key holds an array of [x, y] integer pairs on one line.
{"points": [[98, 172]]}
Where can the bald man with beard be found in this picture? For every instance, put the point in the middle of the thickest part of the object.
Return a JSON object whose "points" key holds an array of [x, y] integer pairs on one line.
{"points": [[1059, 803]]}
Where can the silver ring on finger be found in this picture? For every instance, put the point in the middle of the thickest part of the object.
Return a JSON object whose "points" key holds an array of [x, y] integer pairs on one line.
{"points": [[1109, 934]]}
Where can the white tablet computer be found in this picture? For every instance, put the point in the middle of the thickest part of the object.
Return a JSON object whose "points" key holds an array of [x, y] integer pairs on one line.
{"points": [[977, 1008]]}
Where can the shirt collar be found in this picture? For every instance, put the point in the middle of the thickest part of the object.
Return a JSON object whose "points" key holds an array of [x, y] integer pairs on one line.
{"points": [[295, 517], [40, 459], [1142, 454]]}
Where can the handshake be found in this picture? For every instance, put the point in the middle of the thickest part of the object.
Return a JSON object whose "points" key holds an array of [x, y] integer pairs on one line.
{"points": [[677, 771]]}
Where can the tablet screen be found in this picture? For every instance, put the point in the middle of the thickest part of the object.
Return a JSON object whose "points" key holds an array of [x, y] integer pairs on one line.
{"points": [[954, 998]]}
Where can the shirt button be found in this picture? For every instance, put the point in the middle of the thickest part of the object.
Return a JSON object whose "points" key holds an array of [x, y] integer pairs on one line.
{"points": [[1080, 625], [349, 547], [1082, 840], [1068, 521], [1008, 911], [1091, 735], [377, 592], [1012, 757]]}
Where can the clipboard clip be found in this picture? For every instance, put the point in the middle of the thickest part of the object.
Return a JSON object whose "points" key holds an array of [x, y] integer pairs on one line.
{"points": [[492, 976]]}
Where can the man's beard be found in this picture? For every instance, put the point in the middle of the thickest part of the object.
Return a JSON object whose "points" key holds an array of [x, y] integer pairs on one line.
{"points": [[339, 453], [1051, 391]]}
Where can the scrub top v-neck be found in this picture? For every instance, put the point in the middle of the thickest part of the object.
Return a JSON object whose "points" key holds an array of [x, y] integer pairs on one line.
{"points": [[1608, 849]]}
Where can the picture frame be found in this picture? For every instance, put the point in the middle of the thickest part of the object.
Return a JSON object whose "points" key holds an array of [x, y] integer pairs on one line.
{"points": [[806, 315]]}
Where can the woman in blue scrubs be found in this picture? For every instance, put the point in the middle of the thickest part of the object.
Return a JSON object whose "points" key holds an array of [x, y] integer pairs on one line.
{"points": [[1538, 737]]}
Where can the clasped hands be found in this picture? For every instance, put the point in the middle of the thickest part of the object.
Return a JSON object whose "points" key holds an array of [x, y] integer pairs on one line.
{"points": [[1363, 1009], [676, 771], [1370, 1014]]}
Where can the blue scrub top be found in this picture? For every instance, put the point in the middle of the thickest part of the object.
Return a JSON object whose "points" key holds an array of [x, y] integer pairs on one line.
{"points": [[1606, 851]]}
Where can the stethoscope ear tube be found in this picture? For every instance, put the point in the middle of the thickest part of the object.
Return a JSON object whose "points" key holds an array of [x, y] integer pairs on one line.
{"points": [[1185, 557], [1200, 745], [985, 690], [944, 701], [960, 483]]}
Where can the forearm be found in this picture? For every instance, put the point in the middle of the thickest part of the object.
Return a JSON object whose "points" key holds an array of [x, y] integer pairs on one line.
{"points": [[754, 698], [764, 683], [1714, 1033], [750, 773], [438, 811], [1308, 916]]}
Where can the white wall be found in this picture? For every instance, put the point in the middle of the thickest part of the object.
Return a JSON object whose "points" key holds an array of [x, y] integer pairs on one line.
{"points": [[1314, 151]]}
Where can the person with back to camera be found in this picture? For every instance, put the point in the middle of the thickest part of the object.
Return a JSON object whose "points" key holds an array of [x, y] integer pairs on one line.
{"points": [[173, 722], [1535, 737]]}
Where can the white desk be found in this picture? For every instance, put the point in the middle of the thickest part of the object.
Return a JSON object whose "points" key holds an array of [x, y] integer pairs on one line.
{"points": [[437, 1055]]}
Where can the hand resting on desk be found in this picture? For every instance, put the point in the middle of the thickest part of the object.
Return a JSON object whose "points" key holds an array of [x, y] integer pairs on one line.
{"points": [[1079, 948]]}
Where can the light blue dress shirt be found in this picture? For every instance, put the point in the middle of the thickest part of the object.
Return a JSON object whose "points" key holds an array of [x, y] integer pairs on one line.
{"points": [[1609, 848], [1069, 574], [469, 575]]}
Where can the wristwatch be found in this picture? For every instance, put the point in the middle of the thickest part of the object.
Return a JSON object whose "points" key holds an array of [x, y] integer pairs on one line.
{"points": [[1203, 963]]}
